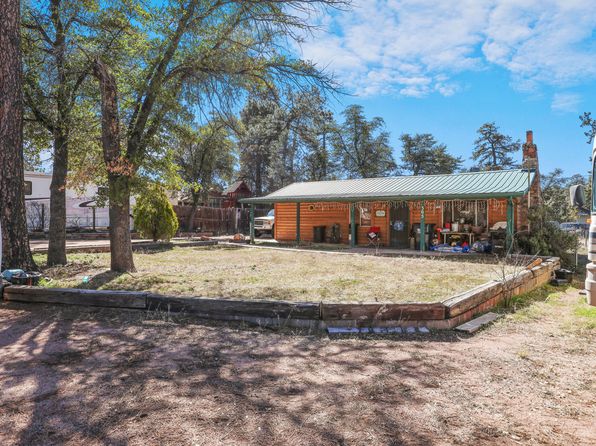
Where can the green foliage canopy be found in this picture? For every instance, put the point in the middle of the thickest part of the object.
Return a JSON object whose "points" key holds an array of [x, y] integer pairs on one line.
{"points": [[492, 149], [205, 158], [555, 194], [422, 155], [361, 147]]}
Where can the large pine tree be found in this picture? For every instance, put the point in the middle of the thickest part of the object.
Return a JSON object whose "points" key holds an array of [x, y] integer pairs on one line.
{"points": [[493, 149], [361, 147], [15, 240], [422, 155]]}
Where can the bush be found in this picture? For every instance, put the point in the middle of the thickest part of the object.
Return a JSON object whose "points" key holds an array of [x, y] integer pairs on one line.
{"points": [[546, 238], [154, 216]]}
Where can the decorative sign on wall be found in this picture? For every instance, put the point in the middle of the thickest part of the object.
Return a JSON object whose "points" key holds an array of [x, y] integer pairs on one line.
{"points": [[365, 216], [380, 213]]}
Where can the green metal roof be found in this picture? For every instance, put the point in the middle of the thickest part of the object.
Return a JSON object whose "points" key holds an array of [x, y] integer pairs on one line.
{"points": [[469, 185]]}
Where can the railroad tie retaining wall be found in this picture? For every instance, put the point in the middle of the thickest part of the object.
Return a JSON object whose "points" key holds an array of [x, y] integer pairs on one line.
{"points": [[441, 315], [72, 296], [138, 246]]}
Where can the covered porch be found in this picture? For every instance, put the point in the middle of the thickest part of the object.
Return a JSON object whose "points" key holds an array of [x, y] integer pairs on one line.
{"points": [[412, 213]]}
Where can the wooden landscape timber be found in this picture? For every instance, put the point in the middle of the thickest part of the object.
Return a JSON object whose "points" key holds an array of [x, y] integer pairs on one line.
{"points": [[367, 313], [217, 308], [73, 296], [447, 314], [136, 246]]}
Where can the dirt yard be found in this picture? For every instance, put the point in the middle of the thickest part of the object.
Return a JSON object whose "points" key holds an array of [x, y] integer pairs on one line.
{"points": [[78, 376], [276, 274]]}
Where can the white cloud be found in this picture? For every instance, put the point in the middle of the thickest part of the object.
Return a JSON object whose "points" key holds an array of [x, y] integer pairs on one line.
{"points": [[415, 48], [566, 102]]}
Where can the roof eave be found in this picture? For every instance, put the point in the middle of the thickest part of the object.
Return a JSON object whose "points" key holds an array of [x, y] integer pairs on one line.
{"points": [[354, 199]]}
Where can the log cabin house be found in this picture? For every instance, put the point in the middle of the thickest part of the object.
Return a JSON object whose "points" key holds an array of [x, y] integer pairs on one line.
{"points": [[409, 212]]}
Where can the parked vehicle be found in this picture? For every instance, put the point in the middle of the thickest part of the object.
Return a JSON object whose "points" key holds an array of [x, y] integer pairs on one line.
{"points": [[574, 226], [265, 225]]}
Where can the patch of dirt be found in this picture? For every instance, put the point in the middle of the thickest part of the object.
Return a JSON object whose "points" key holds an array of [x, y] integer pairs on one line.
{"points": [[96, 376]]}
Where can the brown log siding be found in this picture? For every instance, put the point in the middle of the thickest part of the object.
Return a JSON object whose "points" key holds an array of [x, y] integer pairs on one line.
{"points": [[328, 214]]}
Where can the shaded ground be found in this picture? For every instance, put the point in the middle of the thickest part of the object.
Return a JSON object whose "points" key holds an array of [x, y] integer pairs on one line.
{"points": [[277, 274], [75, 376]]}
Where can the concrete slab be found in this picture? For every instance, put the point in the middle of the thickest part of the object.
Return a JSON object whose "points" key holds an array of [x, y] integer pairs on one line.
{"points": [[476, 324]]}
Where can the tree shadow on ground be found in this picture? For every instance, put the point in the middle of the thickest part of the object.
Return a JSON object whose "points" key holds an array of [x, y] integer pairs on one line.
{"points": [[100, 376], [153, 248], [99, 280]]}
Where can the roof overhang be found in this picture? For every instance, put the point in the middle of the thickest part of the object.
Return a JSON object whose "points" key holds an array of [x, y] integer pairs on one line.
{"points": [[356, 199], [498, 184]]}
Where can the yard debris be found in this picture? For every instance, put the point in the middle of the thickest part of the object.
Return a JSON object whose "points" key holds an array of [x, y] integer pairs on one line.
{"points": [[559, 282], [238, 238], [534, 263]]}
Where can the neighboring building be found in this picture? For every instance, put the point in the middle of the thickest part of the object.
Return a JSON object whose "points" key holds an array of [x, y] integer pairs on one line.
{"points": [[469, 204], [234, 193], [216, 198], [81, 209]]}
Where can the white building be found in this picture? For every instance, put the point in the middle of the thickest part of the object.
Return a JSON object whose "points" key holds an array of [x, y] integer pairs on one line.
{"points": [[81, 210]]}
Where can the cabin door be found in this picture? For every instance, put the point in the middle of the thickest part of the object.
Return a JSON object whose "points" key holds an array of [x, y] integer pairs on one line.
{"points": [[398, 226]]}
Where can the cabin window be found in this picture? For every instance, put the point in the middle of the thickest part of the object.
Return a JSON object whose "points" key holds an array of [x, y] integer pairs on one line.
{"points": [[28, 188], [470, 212]]}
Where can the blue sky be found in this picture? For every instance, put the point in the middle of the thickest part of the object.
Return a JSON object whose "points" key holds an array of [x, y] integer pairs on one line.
{"points": [[447, 66]]}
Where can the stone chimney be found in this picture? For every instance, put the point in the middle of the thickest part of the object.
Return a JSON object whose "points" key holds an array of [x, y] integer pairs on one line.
{"points": [[530, 152], [534, 195]]}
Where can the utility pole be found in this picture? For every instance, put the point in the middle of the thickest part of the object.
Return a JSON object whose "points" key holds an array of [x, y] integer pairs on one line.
{"points": [[591, 267]]}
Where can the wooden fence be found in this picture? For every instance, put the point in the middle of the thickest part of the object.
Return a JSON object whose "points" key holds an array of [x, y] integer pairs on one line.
{"points": [[219, 221]]}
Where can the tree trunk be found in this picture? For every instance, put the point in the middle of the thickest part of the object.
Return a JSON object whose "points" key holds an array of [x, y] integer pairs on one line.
{"points": [[119, 172], [15, 238], [258, 178], [57, 234], [190, 221], [120, 241]]}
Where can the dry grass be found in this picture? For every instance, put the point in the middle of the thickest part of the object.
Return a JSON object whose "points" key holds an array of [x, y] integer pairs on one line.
{"points": [[276, 274], [88, 376]]}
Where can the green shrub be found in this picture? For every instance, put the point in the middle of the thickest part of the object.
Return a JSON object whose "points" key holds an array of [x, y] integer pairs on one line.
{"points": [[546, 238], [154, 216]]}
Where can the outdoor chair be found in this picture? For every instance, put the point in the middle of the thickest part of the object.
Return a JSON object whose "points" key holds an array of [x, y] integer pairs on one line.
{"points": [[374, 236]]}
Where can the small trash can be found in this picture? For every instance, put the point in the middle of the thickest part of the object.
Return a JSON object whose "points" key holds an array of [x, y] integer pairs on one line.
{"points": [[319, 234]]}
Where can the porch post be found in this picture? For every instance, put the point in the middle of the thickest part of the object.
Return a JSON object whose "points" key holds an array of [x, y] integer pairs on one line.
{"points": [[422, 227], [252, 224], [352, 225], [510, 222], [298, 222]]}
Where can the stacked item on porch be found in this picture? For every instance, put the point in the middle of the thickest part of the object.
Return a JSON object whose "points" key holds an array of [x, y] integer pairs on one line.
{"points": [[455, 246]]}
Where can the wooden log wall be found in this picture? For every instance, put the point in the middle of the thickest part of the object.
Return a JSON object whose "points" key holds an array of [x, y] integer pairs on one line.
{"points": [[328, 214], [311, 215]]}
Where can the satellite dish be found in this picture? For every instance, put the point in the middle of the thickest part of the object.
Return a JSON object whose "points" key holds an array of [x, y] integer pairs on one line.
{"points": [[88, 204], [577, 197]]}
